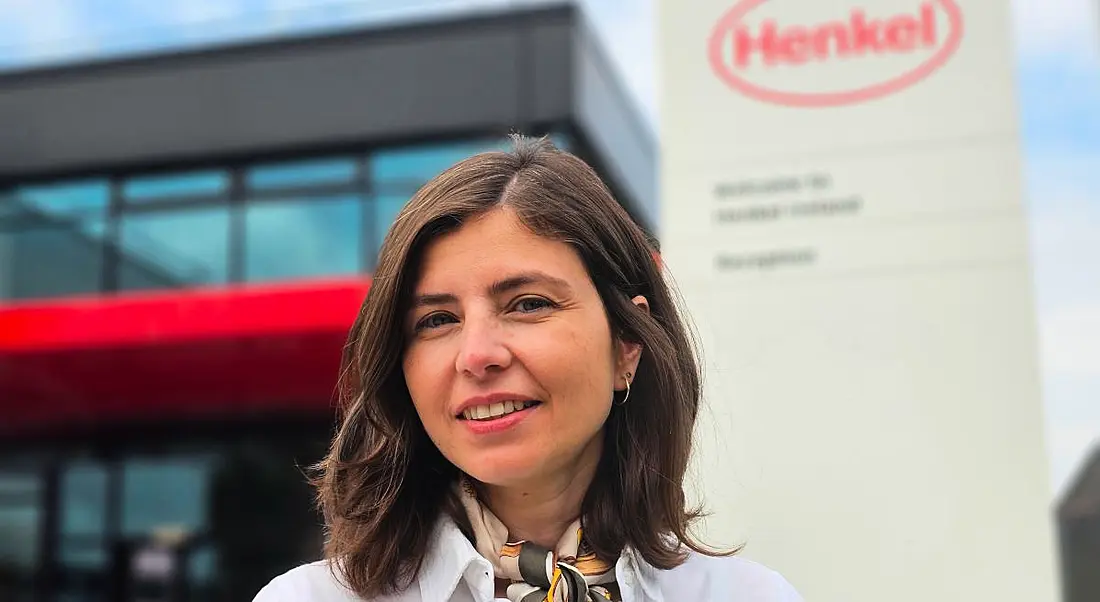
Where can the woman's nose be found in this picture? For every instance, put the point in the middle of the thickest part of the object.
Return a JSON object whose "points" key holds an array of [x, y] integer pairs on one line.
{"points": [[482, 351]]}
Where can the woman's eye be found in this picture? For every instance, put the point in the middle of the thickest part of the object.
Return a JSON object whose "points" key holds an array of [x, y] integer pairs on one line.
{"points": [[532, 304], [434, 321]]}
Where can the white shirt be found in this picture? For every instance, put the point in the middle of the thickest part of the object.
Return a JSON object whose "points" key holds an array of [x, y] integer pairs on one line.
{"points": [[453, 571]]}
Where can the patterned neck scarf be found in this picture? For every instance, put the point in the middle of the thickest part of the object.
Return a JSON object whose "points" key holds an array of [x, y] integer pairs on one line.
{"points": [[569, 573]]}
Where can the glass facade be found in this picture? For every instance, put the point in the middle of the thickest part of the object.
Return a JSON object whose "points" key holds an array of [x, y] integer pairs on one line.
{"points": [[302, 237], [52, 239], [171, 249], [254, 222], [298, 174], [192, 502], [165, 188]]}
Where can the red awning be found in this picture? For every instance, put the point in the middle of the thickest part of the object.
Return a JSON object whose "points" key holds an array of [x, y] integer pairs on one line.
{"points": [[173, 354]]}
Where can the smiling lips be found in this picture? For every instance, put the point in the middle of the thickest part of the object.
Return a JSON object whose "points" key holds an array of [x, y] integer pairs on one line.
{"points": [[492, 411]]}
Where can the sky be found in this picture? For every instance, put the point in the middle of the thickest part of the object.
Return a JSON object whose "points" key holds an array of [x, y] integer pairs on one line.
{"points": [[1058, 59]]}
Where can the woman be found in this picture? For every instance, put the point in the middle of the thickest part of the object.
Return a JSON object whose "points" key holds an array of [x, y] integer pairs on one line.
{"points": [[519, 395]]}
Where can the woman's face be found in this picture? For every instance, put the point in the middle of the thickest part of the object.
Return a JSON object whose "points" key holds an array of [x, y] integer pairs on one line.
{"points": [[511, 363]]}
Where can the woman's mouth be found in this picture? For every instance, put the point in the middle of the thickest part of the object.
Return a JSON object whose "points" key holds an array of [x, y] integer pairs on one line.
{"points": [[493, 411]]}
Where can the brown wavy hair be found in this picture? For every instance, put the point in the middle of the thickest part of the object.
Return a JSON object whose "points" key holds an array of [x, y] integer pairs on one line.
{"points": [[384, 485]]}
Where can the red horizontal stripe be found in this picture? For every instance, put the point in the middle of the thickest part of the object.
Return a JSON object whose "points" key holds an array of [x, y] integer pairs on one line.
{"points": [[159, 317], [169, 355]]}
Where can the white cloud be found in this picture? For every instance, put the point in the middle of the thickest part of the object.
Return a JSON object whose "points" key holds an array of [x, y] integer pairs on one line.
{"points": [[1065, 232], [1059, 47], [202, 11], [40, 20], [43, 29], [1056, 28], [1070, 358], [1070, 444], [1058, 178], [627, 29], [1073, 424], [1071, 344], [1065, 247]]}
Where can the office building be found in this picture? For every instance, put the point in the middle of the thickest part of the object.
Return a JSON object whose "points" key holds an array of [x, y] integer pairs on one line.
{"points": [[184, 241]]}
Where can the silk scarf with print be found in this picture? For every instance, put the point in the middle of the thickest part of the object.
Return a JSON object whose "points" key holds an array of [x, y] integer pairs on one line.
{"points": [[570, 572]]}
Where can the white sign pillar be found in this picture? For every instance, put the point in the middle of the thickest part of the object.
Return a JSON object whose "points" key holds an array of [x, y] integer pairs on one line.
{"points": [[842, 210]]}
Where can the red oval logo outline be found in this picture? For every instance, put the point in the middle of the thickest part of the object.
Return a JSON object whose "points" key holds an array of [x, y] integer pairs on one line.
{"points": [[827, 99]]}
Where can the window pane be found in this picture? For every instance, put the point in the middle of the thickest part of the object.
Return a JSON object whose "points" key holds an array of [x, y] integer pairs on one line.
{"points": [[8, 205], [174, 248], [385, 208], [174, 186], [46, 260], [302, 173], [164, 494], [416, 165], [254, 539], [83, 556], [67, 198], [85, 571], [562, 141], [84, 500], [52, 239], [303, 237], [20, 504], [80, 593], [202, 566]]}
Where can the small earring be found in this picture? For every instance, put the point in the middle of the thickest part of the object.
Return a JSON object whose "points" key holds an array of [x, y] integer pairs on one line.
{"points": [[627, 396]]}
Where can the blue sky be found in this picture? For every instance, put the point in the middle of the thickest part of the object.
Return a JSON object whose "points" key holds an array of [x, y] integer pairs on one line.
{"points": [[1058, 57], [1059, 89]]}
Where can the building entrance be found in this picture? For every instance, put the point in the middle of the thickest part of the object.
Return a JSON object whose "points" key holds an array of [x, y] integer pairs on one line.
{"points": [[206, 512]]}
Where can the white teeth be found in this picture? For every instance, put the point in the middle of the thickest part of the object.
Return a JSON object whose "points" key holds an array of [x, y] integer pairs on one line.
{"points": [[495, 410]]}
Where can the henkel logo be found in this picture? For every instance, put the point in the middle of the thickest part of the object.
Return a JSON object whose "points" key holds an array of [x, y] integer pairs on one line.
{"points": [[746, 53]]}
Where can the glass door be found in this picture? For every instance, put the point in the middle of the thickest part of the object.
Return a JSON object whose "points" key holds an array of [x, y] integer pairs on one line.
{"points": [[83, 531], [21, 492], [203, 516]]}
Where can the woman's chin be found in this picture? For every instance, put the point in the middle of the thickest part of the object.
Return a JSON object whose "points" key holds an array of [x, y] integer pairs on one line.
{"points": [[503, 471]]}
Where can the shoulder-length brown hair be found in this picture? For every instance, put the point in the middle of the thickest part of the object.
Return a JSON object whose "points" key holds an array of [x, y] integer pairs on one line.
{"points": [[384, 485]]}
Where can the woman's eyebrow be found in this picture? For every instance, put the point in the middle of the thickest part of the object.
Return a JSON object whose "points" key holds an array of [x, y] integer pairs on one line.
{"points": [[527, 278], [432, 299], [499, 287]]}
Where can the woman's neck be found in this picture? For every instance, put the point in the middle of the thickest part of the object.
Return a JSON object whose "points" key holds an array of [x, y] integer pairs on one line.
{"points": [[541, 511]]}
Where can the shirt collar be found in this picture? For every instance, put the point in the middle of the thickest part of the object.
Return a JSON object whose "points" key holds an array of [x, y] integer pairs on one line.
{"points": [[633, 573], [451, 558]]}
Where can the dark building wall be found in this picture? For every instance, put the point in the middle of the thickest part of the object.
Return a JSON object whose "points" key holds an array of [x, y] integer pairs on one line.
{"points": [[407, 82], [614, 132], [1079, 528], [1081, 558]]}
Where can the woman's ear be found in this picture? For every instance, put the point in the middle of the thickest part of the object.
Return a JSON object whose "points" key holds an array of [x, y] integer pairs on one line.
{"points": [[629, 353]]}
